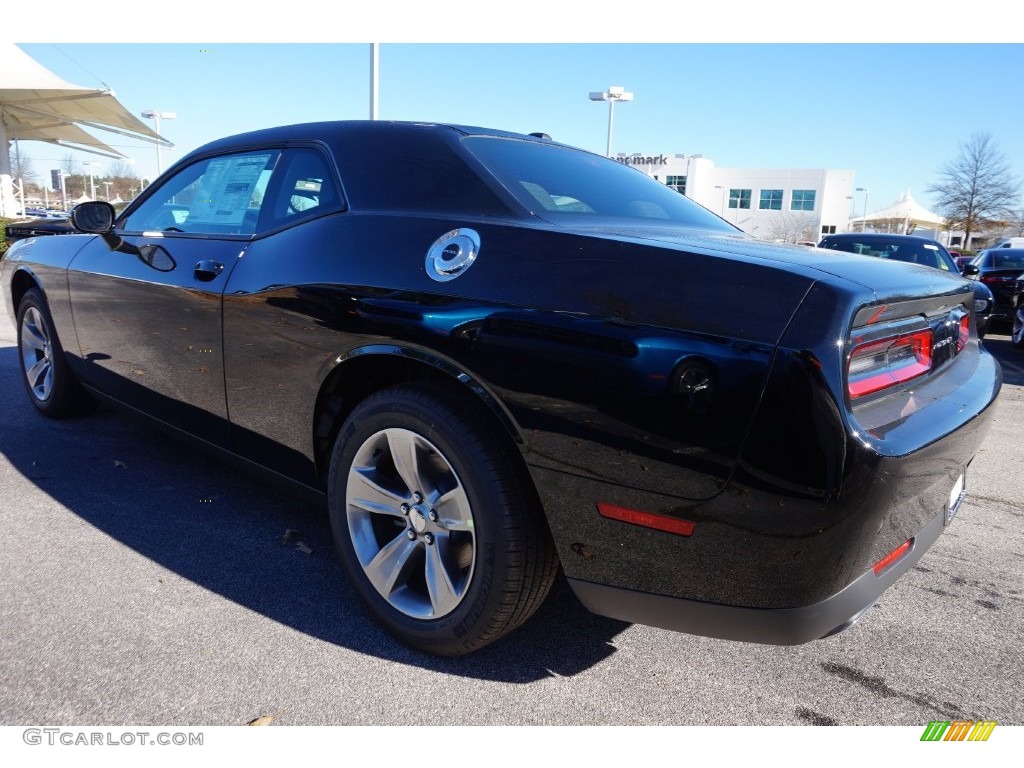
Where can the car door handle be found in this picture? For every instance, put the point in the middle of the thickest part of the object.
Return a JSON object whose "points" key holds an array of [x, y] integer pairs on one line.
{"points": [[207, 270]]}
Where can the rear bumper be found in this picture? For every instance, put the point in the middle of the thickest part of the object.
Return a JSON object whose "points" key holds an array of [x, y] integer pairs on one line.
{"points": [[773, 626]]}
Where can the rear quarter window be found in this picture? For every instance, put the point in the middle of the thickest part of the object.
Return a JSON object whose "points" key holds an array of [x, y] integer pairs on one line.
{"points": [[412, 173]]}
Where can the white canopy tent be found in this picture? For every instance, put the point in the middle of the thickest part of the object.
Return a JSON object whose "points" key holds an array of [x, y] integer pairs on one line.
{"points": [[36, 105], [905, 214]]}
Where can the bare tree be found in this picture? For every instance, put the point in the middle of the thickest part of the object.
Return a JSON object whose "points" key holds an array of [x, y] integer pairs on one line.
{"points": [[1016, 224], [69, 165], [122, 179], [793, 227], [21, 165], [121, 169], [977, 187]]}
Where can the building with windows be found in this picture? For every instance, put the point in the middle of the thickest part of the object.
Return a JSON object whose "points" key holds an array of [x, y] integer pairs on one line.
{"points": [[788, 204]]}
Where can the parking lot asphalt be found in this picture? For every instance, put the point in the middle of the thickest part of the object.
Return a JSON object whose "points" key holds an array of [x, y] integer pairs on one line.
{"points": [[145, 584]]}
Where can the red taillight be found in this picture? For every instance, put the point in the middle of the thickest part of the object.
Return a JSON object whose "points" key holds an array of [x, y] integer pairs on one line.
{"points": [[998, 278], [965, 332], [877, 365], [892, 557], [646, 519]]}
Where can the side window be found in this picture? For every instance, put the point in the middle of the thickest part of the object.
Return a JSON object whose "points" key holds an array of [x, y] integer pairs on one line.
{"points": [[217, 196], [302, 187]]}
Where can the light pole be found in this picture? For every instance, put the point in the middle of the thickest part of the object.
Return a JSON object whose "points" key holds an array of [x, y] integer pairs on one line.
{"points": [[374, 75], [156, 117], [612, 95], [92, 180], [864, 221], [106, 191]]}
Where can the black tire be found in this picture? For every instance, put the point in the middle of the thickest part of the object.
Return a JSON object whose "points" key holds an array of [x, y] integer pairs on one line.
{"points": [[48, 379], [1017, 331], [471, 558]]}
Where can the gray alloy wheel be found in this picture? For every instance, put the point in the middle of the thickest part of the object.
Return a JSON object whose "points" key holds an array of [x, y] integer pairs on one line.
{"points": [[411, 524], [436, 519], [1017, 333], [36, 354], [49, 381]]}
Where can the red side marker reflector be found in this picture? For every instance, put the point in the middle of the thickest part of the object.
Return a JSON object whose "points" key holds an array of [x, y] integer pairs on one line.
{"points": [[893, 556], [646, 519]]}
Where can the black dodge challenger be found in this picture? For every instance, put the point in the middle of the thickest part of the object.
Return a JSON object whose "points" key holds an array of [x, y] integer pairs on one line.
{"points": [[494, 356]]}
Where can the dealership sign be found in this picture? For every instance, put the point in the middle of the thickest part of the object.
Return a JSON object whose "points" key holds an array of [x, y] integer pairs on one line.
{"points": [[643, 160]]}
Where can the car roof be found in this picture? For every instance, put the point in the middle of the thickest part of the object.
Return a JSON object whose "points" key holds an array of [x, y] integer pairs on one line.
{"points": [[349, 130]]}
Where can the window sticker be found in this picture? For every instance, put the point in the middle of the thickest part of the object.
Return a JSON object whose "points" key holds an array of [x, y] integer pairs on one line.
{"points": [[226, 189]]}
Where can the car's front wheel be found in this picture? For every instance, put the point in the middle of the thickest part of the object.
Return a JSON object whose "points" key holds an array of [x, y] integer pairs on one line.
{"points": [[50, 384], [436, 521]]}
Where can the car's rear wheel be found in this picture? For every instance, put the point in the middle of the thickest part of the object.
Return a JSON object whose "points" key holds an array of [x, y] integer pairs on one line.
{"points": [[50, 384], [436, 520], [1017, 332]]}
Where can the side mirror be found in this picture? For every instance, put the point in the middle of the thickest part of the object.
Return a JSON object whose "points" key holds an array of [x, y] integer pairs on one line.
{"points": [[95, 218], [970, 270]]}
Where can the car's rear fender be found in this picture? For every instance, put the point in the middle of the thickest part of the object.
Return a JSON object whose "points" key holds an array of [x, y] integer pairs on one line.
{"points": [[359, 372], [821, 492]]}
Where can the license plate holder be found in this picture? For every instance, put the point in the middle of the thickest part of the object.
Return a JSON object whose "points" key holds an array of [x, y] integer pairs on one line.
{"points": [[956, 497]]}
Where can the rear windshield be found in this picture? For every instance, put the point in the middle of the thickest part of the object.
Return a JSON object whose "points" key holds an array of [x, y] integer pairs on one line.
{"points": [[562, 184], [897, 249], [1008, 259]]}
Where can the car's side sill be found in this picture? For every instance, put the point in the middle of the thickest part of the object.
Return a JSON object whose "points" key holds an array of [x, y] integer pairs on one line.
{"points": [[313, 496]]}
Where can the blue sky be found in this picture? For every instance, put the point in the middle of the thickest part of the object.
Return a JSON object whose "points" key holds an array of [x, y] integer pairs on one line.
{"points": [[893, 113]]}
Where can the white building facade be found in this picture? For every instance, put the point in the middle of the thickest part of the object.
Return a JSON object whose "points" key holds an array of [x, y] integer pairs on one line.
{"points": [[788, 204]]}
